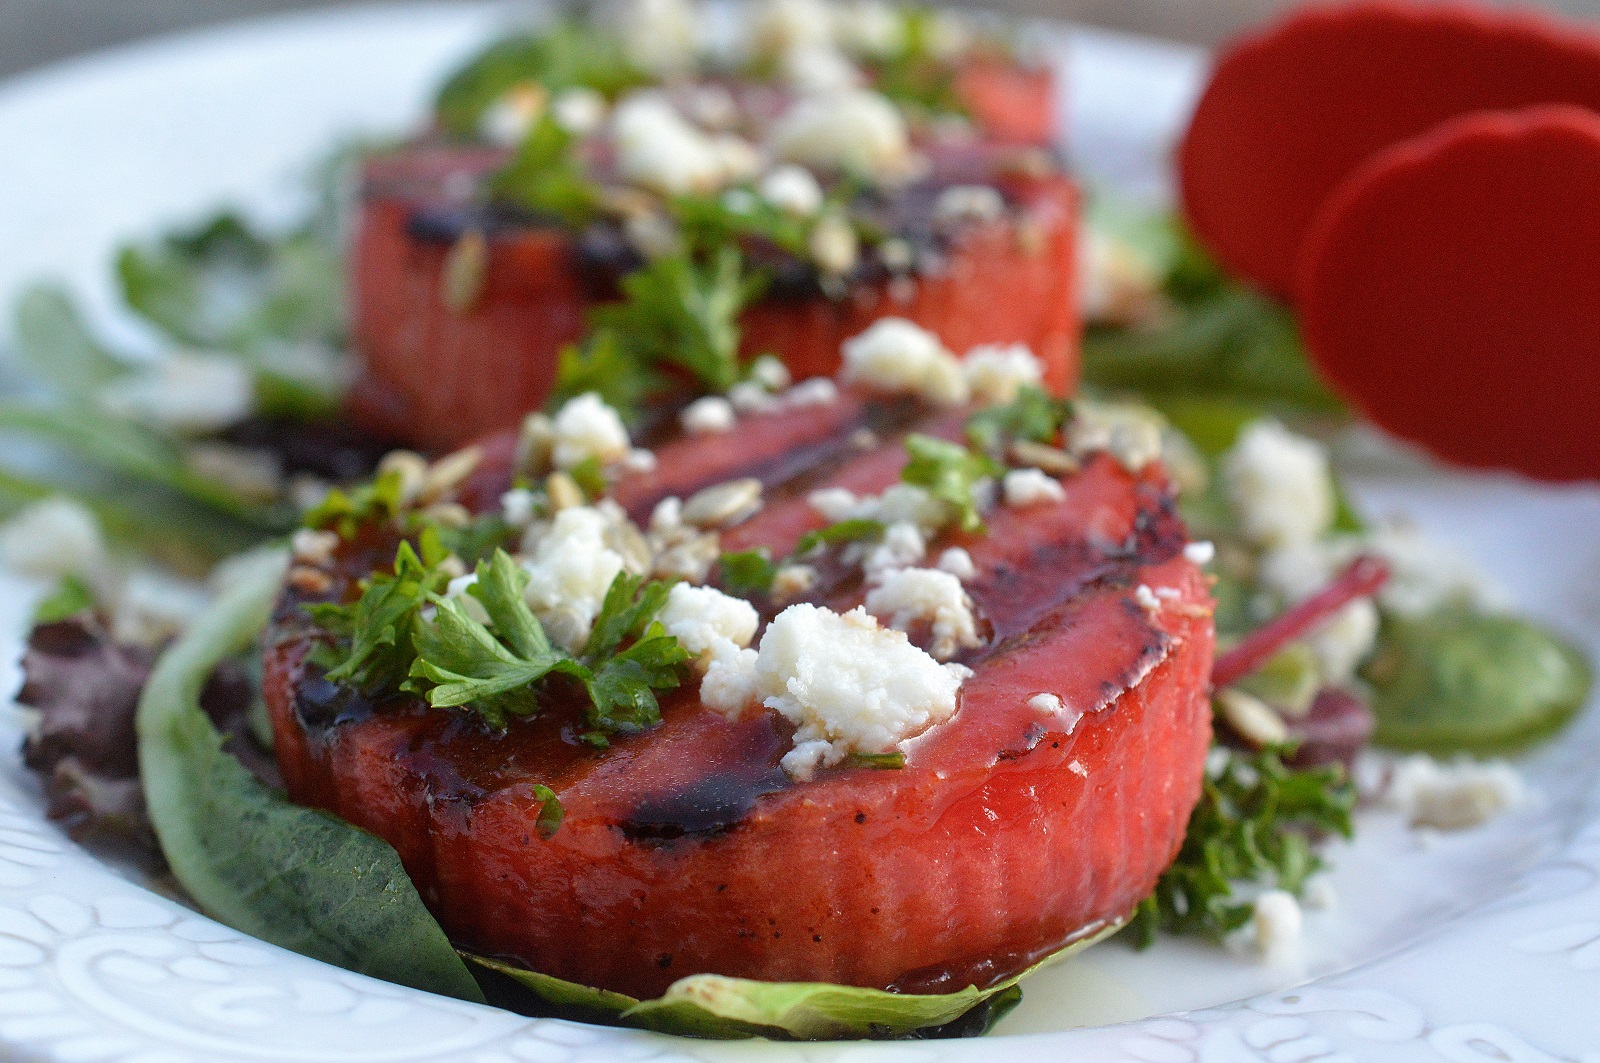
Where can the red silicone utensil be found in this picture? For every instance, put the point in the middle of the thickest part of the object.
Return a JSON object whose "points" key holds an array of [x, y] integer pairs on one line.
{"points": [[1451, 290], [1291, 111]]}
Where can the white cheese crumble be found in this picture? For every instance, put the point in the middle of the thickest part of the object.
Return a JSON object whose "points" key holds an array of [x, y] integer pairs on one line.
{"points": [[1277, 925], [781, 25], [819, 68], [898, 357], [969, 203], [770, 372], [312, 546], [910, 597], [1031, 487], [1130, 434], [1045, 704], [902, 546], [833, 244], [748, 396], [507, 120], [570, 568], [833, 504], [703, 618], [579, 111], [660, 36], [995, 372], [1455, 795], [52, 539], [818, 391], [658, 148], [708, 415], [854, 130], [958, 563], [185, 393], [1279, 485], [793, 189], [848, 685], [585, 427], [1200, 553], [1299, 570]]}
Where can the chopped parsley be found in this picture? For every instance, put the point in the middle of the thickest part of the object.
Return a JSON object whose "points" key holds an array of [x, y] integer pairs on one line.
{"points": [[1034, 416], [546, 177], [1256, 821], [602, 365], [949, 472], [380, 498], [404, 634], [844, 531], [747, 572], [681, 313]]}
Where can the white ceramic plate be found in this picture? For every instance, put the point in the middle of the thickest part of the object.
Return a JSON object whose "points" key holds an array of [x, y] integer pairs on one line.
{"points": [[1483, 946]]}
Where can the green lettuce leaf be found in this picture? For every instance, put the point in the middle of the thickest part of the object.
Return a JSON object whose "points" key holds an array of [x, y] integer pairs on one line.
{"points": [[722, 1008], [292, 876]]}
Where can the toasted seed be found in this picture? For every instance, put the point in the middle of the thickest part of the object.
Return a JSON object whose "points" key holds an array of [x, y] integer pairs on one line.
{"points": [[562, 491], [309, 580], [446, 474], [723, 504], [1048, 459], [465, 268], [412, 469], [535, 444], [1254, 720], [690, 559], [629, 541], [449, 514]]}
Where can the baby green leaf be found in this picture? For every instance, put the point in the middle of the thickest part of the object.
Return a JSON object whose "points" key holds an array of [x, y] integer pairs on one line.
{"points": [[949, 471], [747, 572], [723, 1008], [1033, 415], [844, 531], [545, 176], [293, 876], [58, 347]]}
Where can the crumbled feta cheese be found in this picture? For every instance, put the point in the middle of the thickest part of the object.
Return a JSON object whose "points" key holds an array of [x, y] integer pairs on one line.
{"points": [[507, 120], [1200, 553], [1424, 573], [818, 391], [770, 373], [660, 36], [1130, 434], [958, 563], [701, 618], [729, 685], [896, 356], [667, 517], [1453, 796], [909, 597], [781, 25], [1279, 485], [1115, 284], [152, 606], [792, 580], [658, 148], [585, 427], [516, 506], [995, 373], [903, 503], [52, 539], [313, 547], [848, 684], [792, 189], [1147, 600], [870, 28], [902, 546], [579, 111], [1031, 487], [833, 244], [969, 203], [570, 568], [819, 68], [1047, 704], [1342, 642], [854, 130], [1277, 924], [185, 393], [748, 396], [833, 504], [708, 415]]}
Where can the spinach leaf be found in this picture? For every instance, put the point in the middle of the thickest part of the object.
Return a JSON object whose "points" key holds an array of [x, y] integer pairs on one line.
{"points": [[723, 1008], [57, 347], [1461, 680], [295, 877]]}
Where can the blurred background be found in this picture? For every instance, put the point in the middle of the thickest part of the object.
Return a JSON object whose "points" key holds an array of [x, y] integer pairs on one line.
{"points": [[34, 32]]}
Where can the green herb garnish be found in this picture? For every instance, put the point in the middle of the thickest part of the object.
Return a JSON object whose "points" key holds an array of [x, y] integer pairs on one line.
{"points": [[380, 498], [949, 472], [1256, 821], [747, 572], [545, 176], [1034, 415], [844, 531]]}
